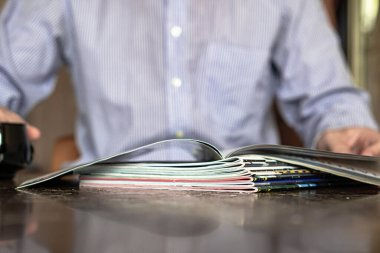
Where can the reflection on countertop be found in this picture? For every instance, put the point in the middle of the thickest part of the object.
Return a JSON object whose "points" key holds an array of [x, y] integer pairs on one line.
{"points": [[72, 219]]}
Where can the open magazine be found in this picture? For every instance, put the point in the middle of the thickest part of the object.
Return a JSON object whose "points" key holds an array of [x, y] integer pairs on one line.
{"points": [[188, 164]]}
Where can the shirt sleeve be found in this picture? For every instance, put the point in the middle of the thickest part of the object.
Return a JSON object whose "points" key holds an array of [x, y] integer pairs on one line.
{"points": [[30, 39], [316, 91]]}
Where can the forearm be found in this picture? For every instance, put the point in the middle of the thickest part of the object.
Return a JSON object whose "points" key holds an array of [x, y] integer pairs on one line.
{"points": [[29, 52], [316, 91], [340, 109]]}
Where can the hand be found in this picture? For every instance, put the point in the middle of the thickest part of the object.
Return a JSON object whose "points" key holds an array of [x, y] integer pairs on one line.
{"points": [[355, 140], [11, 117]]}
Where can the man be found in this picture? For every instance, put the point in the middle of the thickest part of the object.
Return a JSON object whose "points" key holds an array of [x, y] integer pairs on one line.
{"points": [[150, 70]]}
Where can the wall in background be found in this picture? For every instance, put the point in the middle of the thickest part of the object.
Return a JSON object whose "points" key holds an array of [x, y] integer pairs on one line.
{"points": [[372, 52], [364, 47], [55, 117]]}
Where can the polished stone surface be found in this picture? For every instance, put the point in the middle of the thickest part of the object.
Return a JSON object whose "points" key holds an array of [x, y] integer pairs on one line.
{"points": [[72, 219]]}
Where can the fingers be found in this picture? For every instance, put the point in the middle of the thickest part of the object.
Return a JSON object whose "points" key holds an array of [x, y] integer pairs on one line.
{"points": [[8, 116], [372, 150], [363, 141], [367, 142], [341, 148], [335, 141], [33, 132]]}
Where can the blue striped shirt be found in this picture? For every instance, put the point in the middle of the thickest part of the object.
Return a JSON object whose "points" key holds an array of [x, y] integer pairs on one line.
{"points": [[149, 70]]}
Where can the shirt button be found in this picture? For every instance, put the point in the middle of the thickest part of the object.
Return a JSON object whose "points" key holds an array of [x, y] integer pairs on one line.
{"points": [[179, 134], [176, 31], [176, 82]]}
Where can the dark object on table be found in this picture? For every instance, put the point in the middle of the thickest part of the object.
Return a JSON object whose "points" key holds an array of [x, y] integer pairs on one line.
{"points": [[15, 148]]}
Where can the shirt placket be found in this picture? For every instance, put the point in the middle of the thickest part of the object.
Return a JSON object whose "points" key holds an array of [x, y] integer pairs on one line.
{"points": [[178, 87]]}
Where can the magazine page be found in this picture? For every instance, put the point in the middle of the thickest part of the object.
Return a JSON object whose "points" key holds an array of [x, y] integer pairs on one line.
{"points": [[361, 168], [173, 151], [364, 172], [228, 174]]}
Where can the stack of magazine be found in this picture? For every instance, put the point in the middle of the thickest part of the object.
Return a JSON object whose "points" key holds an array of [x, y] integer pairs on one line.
{"points": [[185, 164]]}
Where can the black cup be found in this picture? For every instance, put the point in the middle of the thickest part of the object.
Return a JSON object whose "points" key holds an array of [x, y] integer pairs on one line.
{"points": [[15, 148]]}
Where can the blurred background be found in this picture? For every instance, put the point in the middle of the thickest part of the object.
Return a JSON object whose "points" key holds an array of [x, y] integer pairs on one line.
{"points": [[356, 22]]}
